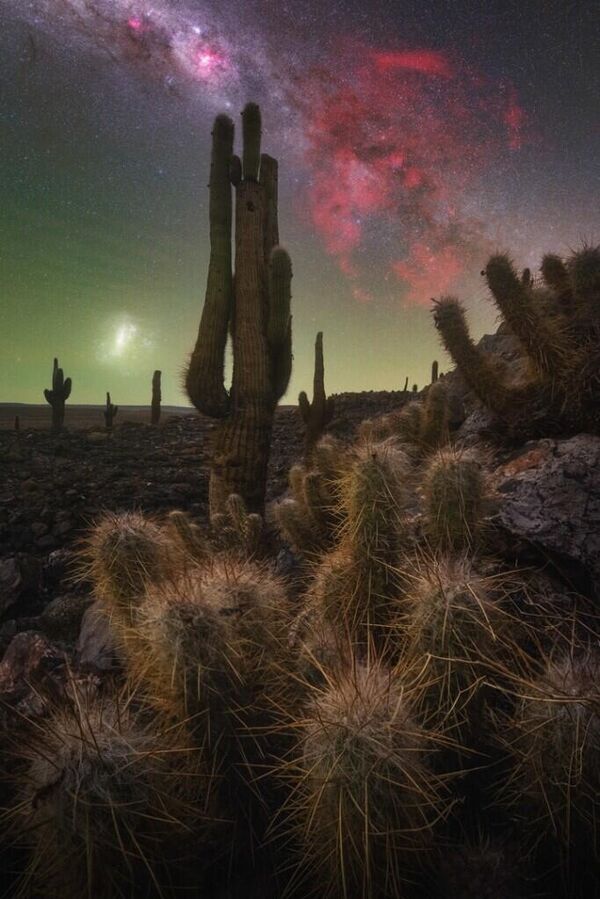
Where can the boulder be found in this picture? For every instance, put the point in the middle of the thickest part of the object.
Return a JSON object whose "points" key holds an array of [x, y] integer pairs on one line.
{"points": [[95, 646], [29, 657], [550, 497], [20, 575]]}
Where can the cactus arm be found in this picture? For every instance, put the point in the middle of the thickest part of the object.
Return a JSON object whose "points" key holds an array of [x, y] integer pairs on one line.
{"points": [[251, 135], [48, 395], [204, 380], [544, 340], [67, 388], [269, 179], [482, 376], [279, 323]]}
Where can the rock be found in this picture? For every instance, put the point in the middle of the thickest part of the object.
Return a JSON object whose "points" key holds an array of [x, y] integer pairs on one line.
{"points": [[61, 619], [20, 575], [551, 498], [28, 658], [95, 646], [38, 529], [59, 564]]}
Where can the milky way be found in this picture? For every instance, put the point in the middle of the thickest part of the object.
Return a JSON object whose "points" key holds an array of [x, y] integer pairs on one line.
{"points": [[389, 139]]}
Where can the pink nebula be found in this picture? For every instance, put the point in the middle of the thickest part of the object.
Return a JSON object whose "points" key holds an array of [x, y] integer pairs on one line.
{"points": [[393, 144]]}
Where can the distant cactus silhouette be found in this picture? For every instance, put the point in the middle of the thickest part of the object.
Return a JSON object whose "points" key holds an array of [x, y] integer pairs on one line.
{"points": [[434, 371], [256, 308], [156, 398], [557, 325], [316, 415], [60, 393], [110, 413]]}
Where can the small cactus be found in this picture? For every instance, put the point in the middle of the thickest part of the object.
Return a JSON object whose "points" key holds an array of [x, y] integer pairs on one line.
{"points": [[554, 738], [364, 801], [454, 627], [60, 393], [107, 804], [156, 398], [373, 495], [434, 418], [316, 415], [110, 413], [454, 493]]}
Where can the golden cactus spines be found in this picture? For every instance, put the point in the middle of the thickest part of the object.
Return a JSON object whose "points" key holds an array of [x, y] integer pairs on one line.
{"points": [[364, 802]]}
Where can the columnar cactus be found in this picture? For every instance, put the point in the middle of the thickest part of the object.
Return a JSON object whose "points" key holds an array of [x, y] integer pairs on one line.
{"points": [[434, 371], [557, 327], [110, 413], [316, 415], [156, 398], [256, 309], [60, 393]]}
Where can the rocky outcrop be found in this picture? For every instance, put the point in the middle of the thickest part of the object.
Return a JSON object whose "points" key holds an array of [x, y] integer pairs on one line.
{"points": [[550, 497]]}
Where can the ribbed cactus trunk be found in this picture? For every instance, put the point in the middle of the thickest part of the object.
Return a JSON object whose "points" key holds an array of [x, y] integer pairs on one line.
{"points": [[256, 308]]}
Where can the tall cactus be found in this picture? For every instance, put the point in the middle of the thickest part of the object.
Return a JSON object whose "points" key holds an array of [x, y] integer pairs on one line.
{"points": [[156, 398], [316, 415], [256, 309], [110, 413], [60, 393]]}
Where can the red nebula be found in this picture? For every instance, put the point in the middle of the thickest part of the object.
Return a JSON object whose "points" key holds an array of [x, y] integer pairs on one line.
{"points": [[207, 60], [427, 61], [393, 144]]}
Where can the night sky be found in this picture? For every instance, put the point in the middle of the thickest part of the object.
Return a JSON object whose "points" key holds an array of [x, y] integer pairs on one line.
{"points": [[414, 138]]}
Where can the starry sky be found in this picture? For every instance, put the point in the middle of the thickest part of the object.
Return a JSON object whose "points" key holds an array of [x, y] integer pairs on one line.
{"points": [[414, 137]]}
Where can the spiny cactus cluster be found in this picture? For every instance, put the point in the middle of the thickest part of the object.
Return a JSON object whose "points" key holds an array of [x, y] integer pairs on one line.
{"points": [[254, 306], [556, 324], [333, 741], [57, 396], [105, 797]]}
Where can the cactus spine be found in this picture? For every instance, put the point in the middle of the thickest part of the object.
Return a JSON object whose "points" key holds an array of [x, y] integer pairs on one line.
{"points": [[110, 413], [60, 393], [256, 309], [316, 415], [156, 398]]}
